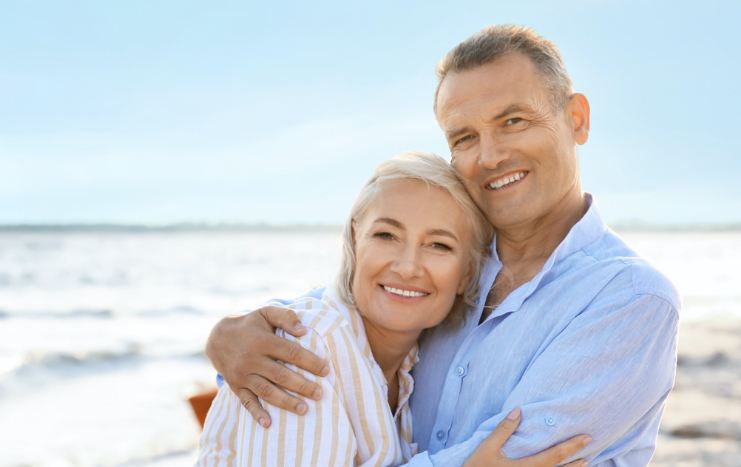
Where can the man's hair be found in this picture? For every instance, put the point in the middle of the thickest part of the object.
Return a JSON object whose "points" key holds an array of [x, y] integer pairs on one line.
{"points": [[494, 42], [434, 171]]}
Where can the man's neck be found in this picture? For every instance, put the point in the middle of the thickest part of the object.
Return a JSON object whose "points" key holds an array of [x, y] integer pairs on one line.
{"points": [[524, 249], [535, 241]]}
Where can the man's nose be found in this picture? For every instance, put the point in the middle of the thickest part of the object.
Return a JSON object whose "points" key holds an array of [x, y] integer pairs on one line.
{"points": [[492, 151], [407, 264]]}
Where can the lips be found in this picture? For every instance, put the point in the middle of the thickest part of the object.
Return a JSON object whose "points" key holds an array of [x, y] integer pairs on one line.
{"points": [[506, 180], [405, 291]]}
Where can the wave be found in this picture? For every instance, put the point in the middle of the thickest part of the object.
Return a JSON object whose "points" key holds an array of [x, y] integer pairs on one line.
{"points": [[75, 313], [62, 361], [100, 313], [69, 363], [176, 310]]}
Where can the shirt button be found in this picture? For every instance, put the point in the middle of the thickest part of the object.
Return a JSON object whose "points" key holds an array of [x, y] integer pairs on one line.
{"points": [[550, 421], [460, 371], [440, 435]]}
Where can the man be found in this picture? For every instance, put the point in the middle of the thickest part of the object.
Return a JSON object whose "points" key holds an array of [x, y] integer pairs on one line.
{"points": [[573, 327]]}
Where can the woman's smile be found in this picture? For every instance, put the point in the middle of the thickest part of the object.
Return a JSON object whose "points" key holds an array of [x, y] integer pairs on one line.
{"points": [[411, 251]]}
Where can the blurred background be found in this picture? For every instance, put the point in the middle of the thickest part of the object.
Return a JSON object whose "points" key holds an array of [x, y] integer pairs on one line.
{"points": [[165, 163]]}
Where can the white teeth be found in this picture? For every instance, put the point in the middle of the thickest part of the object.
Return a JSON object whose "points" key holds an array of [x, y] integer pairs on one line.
{"points": [[497, 184], [404, 293]]}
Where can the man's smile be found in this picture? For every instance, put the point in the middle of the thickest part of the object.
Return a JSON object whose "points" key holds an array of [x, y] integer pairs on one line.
{"points": [[505, 181]]}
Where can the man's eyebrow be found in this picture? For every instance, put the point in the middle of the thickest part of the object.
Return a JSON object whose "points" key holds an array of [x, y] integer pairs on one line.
{"points": [[455, 133], [510, 110], [513, 108]]}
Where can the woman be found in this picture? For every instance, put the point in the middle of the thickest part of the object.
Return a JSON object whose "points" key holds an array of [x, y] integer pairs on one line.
{"points": [[412, 251]]}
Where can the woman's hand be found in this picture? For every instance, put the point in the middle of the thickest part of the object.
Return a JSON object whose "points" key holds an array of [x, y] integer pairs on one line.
{"points": [[245, 350], [489, 453]]}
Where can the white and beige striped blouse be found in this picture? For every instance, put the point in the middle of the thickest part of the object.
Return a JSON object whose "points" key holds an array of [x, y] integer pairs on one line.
{"points": [[351, 425]]}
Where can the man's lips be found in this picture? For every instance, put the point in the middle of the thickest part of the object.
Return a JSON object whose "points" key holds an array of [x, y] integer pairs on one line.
{"points": [[506, 180]]}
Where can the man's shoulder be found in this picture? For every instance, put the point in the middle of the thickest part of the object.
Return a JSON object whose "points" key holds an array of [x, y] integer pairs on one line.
{"points": [[633, 271]]}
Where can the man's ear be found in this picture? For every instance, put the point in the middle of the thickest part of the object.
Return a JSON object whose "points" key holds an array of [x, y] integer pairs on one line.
{"points": [[578, 112]]}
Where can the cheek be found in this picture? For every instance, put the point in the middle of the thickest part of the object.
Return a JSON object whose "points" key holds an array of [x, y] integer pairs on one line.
{"points": [[450, 275], [465, 166]]}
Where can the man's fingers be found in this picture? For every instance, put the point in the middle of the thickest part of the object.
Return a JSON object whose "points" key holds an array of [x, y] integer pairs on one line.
{"points": [[558, 453], [269, 393], [250, 402], [292, 381], [492, 445], [283, 318], [292, 352]]}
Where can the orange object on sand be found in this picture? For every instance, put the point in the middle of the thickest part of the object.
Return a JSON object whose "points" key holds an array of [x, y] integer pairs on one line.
{"points": [[200, 403]]}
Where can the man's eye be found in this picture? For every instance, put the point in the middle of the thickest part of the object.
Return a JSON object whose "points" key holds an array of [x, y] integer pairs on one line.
{"points": [[513, 121], [462, 140]]}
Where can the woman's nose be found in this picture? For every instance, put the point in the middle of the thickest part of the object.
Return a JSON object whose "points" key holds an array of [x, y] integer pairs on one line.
{"points": [[407, 264]]}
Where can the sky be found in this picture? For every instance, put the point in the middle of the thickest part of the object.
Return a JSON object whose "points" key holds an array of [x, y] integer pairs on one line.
{"points": [[157, 112]]}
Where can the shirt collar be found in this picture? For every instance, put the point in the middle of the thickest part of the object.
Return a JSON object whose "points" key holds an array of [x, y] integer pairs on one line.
{"points": [[586, 231]]}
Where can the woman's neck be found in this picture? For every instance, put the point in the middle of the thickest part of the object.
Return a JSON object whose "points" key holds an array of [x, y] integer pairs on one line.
{"points": [[389, 347]]}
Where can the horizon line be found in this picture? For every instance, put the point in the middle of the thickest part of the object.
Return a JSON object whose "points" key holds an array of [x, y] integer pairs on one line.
{"points": [[267, 226]]}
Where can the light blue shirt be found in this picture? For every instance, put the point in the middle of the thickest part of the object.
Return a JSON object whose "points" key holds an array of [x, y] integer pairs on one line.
{"points": [[588, 346]]}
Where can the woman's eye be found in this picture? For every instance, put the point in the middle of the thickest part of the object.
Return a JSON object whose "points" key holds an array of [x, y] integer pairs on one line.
{"points": [[383, 235], [441, 246]]}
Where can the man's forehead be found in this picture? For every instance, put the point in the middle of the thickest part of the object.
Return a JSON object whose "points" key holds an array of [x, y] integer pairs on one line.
{"points": [[494, 88]]}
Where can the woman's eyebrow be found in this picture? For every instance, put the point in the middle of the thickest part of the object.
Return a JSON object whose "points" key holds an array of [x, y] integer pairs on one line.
{"points": [[443, 232], [395, 223], [389, 220]]}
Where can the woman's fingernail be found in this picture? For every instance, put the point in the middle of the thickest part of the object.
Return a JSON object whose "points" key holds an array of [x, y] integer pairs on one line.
{"points": [[325, 371], [586, 440], [263, 422], [514, 415], [301, 408], [318, 393]]}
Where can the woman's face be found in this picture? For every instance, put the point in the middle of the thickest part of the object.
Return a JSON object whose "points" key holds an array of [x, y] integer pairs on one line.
{"points": [[411, 250]]}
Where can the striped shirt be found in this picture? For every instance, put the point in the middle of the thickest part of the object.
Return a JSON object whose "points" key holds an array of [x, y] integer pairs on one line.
{"points": [[351, 425]]}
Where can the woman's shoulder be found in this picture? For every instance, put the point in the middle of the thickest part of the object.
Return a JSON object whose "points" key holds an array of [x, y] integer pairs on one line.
{"points": [[325, 316]]}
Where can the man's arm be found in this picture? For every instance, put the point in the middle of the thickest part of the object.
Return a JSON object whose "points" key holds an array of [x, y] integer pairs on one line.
{"points": [[605, 374], [244, 350], [323, 437]]}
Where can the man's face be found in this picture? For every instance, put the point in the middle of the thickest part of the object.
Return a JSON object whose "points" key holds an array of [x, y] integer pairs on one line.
{"points": [[515, 152]]}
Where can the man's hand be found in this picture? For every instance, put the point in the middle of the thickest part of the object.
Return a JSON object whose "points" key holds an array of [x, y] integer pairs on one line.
{"points": [[489, 453], [245, 350]]}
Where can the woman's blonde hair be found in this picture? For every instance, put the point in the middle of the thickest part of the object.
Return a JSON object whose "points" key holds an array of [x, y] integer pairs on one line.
{"points": [[433, 170]]}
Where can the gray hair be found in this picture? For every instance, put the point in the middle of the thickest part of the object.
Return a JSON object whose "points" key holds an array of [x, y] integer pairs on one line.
{"points": [[494, 42], [434, 171]]}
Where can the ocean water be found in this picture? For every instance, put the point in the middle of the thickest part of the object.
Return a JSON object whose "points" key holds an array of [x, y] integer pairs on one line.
{"points": [[102, 333]]}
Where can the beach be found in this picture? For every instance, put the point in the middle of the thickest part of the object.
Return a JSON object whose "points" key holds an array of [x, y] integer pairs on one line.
{"points": [[702, 421], [102, 335]]}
